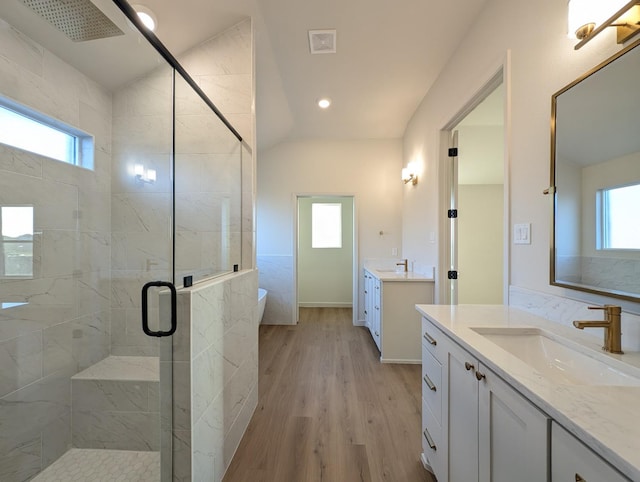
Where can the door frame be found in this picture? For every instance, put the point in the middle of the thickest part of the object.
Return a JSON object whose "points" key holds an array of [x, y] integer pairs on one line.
{"points": [[355, 260], [499, 74]]}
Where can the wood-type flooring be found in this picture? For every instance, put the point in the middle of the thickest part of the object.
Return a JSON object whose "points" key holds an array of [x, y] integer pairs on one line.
{"points": [[328, 410]]}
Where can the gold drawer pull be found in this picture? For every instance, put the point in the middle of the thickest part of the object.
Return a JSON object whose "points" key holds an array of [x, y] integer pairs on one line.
{"points": [[429, 383], [580, 479], [480, 376], [429, 339], [468, 366], [429, 440]]}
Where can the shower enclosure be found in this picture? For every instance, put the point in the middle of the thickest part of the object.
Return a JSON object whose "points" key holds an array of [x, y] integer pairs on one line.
{"points": [[148, 194]]}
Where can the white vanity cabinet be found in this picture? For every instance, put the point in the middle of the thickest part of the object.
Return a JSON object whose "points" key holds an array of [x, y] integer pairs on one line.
{"points": [[390, 313], [372, 306], [513, 433], [478, 427], [572, 461]]}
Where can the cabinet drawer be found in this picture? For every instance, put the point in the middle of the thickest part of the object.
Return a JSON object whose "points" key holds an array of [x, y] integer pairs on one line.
{"points": [[432, 447], [434, 340], [432, 384], [572, 460]]}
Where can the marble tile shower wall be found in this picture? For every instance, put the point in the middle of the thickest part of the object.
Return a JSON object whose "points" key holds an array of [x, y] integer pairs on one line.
{"points": [[223, 67], [208, 190], [140, 212], [217, 343], [60, 323]]}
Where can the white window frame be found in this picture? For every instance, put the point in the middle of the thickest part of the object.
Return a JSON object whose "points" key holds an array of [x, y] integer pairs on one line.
{"points": [[323, 213], [604, 222], [81, 151], [5, 242]]}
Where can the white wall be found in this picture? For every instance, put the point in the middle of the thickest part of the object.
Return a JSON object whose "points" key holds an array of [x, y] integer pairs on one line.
{"points": [[367, 169], [325, 276], [542, 60]]}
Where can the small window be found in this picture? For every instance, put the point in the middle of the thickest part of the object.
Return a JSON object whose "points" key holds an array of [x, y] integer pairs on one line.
{"points": [[326, 225], [618, 217], [31, 131], [16, 243]]}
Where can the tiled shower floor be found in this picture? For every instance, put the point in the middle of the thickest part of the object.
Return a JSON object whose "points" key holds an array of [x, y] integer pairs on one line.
{"points": [[92, 465]]}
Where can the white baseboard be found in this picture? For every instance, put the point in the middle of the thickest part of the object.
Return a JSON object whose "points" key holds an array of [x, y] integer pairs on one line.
{"points": [[325, 304], [406, 362]]}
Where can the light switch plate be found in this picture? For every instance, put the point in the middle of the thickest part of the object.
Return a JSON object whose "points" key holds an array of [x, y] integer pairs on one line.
{"points": [[522, 233]]}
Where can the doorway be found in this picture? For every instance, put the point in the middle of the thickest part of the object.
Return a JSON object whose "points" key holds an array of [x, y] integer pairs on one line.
{"points": [[325, 251], [476, 204]]}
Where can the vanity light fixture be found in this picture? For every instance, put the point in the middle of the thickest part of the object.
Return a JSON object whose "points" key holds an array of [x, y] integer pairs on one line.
{"points": [[410, 174], [324, 103], [147, 17], [587, 18], [144, 176]]}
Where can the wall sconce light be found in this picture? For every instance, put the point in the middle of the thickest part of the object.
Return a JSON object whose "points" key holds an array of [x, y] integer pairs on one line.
{"points": [[144, 176], [587, 18], [410, 174]]}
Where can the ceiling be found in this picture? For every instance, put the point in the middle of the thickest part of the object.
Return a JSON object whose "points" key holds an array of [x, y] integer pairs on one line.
{"points": [[388, 55]]}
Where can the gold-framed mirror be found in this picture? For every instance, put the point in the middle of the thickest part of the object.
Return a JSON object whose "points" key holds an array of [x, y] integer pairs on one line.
{"points": [[595, 179]]}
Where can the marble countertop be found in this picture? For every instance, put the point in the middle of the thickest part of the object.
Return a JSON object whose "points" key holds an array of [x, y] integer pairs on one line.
{"points": [[606, 418], [392, 275]]}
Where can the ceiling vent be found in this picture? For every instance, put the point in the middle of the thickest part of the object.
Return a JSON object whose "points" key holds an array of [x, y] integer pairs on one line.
{"points": [[322, 41], [80, 20]]}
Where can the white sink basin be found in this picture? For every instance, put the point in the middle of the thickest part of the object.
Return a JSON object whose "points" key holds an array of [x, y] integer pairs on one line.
{"points": [[556, 360]]}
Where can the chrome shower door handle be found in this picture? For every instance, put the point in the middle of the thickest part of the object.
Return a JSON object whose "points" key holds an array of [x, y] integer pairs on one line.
{"points": [[145, 304]]}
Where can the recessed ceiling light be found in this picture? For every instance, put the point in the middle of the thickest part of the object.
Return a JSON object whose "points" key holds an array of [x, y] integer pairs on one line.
{"points": [[147, 17], [324, 103]]}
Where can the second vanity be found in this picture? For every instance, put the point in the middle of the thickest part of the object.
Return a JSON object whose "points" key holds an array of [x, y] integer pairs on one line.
{"points": [[390, 297], [507, 395]]}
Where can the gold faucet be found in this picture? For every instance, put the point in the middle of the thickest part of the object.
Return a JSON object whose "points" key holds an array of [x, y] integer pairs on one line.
{"points": [[404, 263], [611, 325]]}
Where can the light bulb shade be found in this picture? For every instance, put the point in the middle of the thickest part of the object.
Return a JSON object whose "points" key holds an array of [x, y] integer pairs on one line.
{"points": [[151, 175], [409, 173], [584, 12], [138, 170]]}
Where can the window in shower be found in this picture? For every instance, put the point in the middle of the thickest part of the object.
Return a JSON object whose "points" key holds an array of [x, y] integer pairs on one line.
{"points": [[16, 244], [326, 225], [31, 131]]}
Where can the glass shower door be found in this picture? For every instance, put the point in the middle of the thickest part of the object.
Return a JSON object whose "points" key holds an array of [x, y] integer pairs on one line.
{"points": [[81, 385], [143, 302], [208, 160]]}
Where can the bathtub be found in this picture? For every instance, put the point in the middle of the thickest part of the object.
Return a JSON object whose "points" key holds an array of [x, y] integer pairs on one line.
{"points": [[262, 301]]}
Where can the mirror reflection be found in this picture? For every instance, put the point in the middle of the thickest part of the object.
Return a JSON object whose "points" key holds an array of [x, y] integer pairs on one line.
{"points": [[596, 174]]}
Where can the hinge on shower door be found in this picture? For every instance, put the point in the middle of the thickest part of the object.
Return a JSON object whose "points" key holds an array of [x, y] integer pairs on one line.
{"points": [[453, 152]]}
